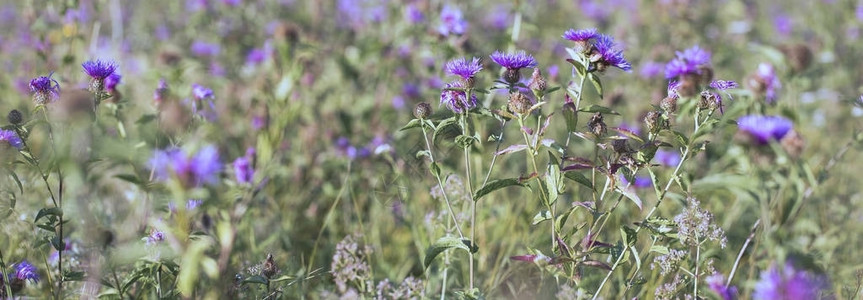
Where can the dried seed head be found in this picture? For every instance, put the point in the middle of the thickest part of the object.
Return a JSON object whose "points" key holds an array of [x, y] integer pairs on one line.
{"points": [[270, 269], [655, 122], [669, 104], [519, 103], [537, 82], [422, 111], [620, 146], [15, 117], [596, 125], [707, 100]]}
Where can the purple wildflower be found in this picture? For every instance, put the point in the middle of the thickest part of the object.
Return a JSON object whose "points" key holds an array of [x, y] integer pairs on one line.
{"points": [[192, 170], [201, 92], [766, 75], [193, 204], [650, 69], [25, 271], [161, 91], [514, 61], [155, 237], [641, 182], [413, 14], [610, 54], [667, 158], [716, 283], [789, 283], [580, 35], [452, 21], [112, 81], [723, 84], [99, 70], [462, 68], [498, 18], [690, 61], [765, 128], [456, 100], [201, 48], [12, 138], [45, 89], [256, 56], [243, 167]]}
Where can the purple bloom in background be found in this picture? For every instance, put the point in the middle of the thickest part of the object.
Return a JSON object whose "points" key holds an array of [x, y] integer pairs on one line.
{"points": [[25, 271], [767, 76], [498, 18], [112, 81], [461, 67], [716, 283], [232, 2], [723, 84], [256, 56], [611, 54], [11, 138], [457, 100], [514, 61], [195, 170], [667, 158], [155, 237], [193, 204], [650, 69], [196, 5], [45, 89], [580, 35], [765, 128], [99, 70], [243, 167], [858, 12], [201, 92], [789, 283], [783, 24], [201, 48], [161, 91], [690, 61], [411, 90], [452, 21], [641, 182], [413, 14]]}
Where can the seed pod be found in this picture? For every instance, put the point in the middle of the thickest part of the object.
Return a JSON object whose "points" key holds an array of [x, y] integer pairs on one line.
{"points": [[422, 110], [669, 104], [15, 117]]}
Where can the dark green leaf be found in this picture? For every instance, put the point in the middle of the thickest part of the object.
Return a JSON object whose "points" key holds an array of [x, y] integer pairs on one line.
{"points": [[255, 279], [17, 181], [681, 138], [443, 244], [577, 177], [53, 211], [495, 185], [73, 276], [443, 125], [129, 178], [145, 119], [435, 170], [412, 124], [631, 195], [541, 217], [596, 83]]}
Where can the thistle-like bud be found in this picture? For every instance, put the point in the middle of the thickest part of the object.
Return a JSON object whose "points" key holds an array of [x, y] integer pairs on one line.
{"points": [[538, 83], [511, 76], [620, 146], [270, 269], [15, 117], [596, 125], [469, 82], [655, 122], [707, 100], [519, 103], [669, 104], [422, 110]]}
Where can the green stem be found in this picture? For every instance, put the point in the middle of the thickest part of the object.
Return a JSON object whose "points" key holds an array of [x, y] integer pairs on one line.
{"points": [[531, 153]]}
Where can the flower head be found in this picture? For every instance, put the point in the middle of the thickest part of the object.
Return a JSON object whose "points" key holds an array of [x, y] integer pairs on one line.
{"points": [[580, 35], [765, 128], [99, 70], [723, 84], [456, 100], [452, 21], [45, 89], [690, 61], [462, 68], [766, 82], [112, 81], [667, 158], [155, 237], [11, 138], [610, 54], [243, 167], [201, 92], [789, 283], [514, 61], [192, 170], [716, 283], [201, 48], [25, 271]]}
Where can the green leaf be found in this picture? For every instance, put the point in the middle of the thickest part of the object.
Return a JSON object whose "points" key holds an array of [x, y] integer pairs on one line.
{"points": [[435, 169], [282, 278], [579, 67], [423, 153], [494, 185], [464, 141], [681, 138], [129, 178], [412, 124], [631, 196], [73, 276], [17, 181], [655, 182], [596, 83], [600, 109], [577, 177], [258, 279], [53, 211], [629, 235], [443, 244], [540, 217], [58, 243], [659, 249], [551, 90], [553, 183], [444, 125], [145, 119]]}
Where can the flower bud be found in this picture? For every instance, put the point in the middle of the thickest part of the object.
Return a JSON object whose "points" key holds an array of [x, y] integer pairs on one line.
{"points": [[538, 83], [469, 82], [707, 100], [596, 125], [519, 103], [655, 122], [422, 110], [511, 76], [15, 117], [669, 104], [270, 269]]}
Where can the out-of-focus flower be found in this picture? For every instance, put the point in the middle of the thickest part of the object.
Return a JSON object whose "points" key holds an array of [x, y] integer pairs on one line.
{"points": [[451, 21], [786, 283], [498, 18], [609, 54], [456, 100], [413, 14], [764, 128], [765, 82], [154, 237], [723, 84], [25, 271], [667, 158], [201, 92], [161, 92], [690, 61], [651, 69], [11, 138], [112, 81], [193, 170], [45, 89], [716, 283], [695, 225], [205, 49], [349, 266], [641, 182], [244, 167]]}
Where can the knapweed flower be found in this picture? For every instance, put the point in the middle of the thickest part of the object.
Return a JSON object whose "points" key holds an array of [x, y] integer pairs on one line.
{"points": [[765, 82], [763, 129], [112, 81], [464, 69], [689, 62], [45, 89], [25, 271], [193, 170], [456, 100], [98, 71], [203, 104], [786, 283], [581, 35], [513, 62], [10, 137], [606, 53], [723, 84], [716, 283], [243, 167], [452, 21]]}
